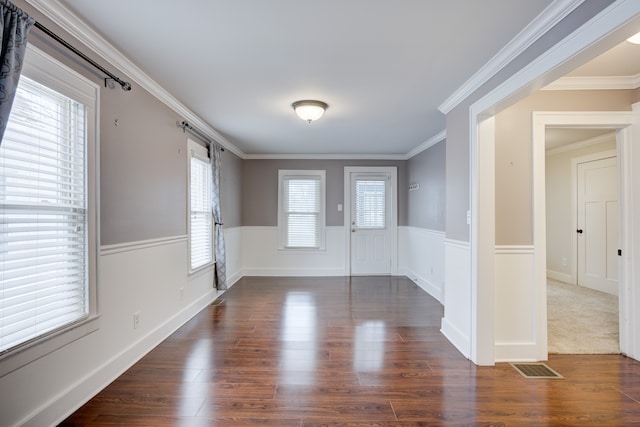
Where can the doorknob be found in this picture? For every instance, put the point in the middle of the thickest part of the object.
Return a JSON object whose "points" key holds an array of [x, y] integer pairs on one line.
{"points": [[579, 230]]}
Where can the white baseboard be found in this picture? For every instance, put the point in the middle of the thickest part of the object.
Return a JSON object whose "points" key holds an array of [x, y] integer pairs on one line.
{"points": [[232, 280], [293, 272], [456, 337], [560, 277], [430, 288], [516, 352]]}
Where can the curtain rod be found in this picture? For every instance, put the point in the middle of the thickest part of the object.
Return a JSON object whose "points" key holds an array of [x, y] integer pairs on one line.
{"points": [[185, 126], [126, 86]]}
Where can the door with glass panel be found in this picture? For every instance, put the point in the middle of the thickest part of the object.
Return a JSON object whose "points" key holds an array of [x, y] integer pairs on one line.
{"points": [[370, 224]]}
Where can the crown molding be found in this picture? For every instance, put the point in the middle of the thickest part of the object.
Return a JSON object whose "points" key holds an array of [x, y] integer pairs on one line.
{"points": [[72, 24], [581, 144], [440, 136], [325, 157], [595, 83], [549, 17]]}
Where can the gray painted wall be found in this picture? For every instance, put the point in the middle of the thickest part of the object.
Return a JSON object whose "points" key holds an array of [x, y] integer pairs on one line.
{"points": [[427, 205], [231, 176], [143, 168], [457, 174], [260, 188], [143, 159]]}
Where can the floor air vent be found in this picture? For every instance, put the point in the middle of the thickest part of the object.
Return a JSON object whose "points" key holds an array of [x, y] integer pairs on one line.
{"points": [[535, 370], [218, 301]]}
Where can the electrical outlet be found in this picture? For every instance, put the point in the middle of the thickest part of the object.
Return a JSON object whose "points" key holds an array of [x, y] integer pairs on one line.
{"points": [[181, 293], [564, 262], [136, 320]]}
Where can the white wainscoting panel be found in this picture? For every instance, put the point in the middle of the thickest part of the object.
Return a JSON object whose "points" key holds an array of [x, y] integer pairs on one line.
{"points": [[261, 256], [149, 278], [233, 249], [422, 258], [516, 311], [456, 324]]}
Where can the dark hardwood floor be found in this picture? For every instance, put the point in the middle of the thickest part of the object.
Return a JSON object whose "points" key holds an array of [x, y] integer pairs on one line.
{"points": [[347, 352]]}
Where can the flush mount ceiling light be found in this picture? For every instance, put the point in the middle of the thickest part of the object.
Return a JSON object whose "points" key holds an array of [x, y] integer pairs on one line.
{"points": [[309, 110], [634, 39]]}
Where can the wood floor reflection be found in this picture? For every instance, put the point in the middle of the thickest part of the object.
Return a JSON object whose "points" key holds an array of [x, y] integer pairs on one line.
{"points": [[347, 352]]}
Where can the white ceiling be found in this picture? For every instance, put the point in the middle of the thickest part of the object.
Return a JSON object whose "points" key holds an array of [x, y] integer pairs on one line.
{"points": [[383, 66], [557, 137], [621, 60]]}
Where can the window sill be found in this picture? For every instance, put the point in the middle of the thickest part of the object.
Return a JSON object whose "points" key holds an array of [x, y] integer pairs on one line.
{"points": [[23, 355], [201, 270]]}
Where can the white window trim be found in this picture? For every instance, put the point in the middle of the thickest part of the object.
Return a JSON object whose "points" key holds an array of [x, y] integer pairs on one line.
{"points": [[46, 70], [200, 152], [282, 231]]}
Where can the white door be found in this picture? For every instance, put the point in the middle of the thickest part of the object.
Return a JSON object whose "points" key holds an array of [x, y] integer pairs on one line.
{"points": [[370, 223], [597, 231]]}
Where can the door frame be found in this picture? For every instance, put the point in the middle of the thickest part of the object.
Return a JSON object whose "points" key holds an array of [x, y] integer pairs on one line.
{"points": [[621, 121], [393, 223]]}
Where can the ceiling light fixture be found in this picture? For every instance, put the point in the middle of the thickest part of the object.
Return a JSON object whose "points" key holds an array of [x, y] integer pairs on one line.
{"points": [[309, 110], [634, 39]]}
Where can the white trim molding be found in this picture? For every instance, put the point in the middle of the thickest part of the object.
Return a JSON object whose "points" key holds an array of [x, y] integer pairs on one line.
{"points": [[72, 24], [595, 83], [325, 157], [440, 136], [549, 17], [141, 244]]}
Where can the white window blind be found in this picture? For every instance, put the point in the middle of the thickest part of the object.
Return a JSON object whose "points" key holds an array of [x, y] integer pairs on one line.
{"points": [[302, 212], [200, 215], [44, 218], [370, 203]]}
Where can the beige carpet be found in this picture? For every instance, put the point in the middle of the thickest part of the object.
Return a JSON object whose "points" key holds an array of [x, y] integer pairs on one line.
{"points": [[580, 320]]}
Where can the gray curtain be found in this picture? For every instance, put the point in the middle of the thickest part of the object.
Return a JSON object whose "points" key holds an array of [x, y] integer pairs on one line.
{"points": [[218, 231], [15, 28]]}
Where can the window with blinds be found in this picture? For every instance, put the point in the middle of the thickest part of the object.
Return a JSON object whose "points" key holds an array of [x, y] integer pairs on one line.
{"points": [[200, 213], [43, 204], [301, 209], [370, 203]]}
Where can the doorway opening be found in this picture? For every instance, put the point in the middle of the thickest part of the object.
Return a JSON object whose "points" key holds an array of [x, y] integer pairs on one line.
{"points": [[582, 241], [620, 122]]}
